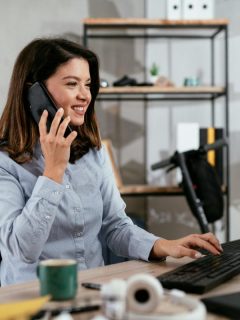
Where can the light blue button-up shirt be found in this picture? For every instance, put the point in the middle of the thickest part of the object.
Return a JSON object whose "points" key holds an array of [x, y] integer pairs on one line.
{"points": [[41, 219]]}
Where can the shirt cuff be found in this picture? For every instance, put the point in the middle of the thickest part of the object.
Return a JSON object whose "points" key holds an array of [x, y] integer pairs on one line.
{"points": [[49, 190], [144, 244]]}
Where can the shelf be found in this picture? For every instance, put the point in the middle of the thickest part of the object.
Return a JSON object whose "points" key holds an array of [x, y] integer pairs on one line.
{"points": [[148, 190], [120, 28], [160, 93], [151, 190], [158, 89], [144, 22]]}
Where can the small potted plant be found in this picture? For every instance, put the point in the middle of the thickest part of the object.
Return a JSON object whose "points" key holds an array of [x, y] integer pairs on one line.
{"points": [[154, 72]]}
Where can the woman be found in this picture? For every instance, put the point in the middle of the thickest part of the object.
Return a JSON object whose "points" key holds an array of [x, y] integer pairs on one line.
{"points": [[57, 193]]}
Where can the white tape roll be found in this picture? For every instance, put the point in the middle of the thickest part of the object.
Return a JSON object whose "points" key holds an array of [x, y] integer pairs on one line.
{"points": [[197, 311], [143, 293]]}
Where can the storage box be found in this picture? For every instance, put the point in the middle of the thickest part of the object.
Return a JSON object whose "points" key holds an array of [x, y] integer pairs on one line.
{"points": [[187, 139], [187, 136], [174, 9]]}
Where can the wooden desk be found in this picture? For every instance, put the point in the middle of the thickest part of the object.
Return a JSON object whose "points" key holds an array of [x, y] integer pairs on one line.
{"points": [[123, 270]]}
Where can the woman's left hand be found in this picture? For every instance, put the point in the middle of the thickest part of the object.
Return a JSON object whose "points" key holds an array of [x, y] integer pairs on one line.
{"points": [[186, 246]]}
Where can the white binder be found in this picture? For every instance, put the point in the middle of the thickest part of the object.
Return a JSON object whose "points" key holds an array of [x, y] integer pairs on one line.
{"points": [[197, 9], [191, 10], [174, 9], [207, 8]]}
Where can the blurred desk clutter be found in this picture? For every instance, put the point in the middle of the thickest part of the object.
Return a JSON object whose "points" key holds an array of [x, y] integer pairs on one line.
{"points": [[22, 309], [139, 272]]}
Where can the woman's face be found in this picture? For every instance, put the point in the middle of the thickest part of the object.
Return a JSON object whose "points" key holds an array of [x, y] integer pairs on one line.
{"points": [[70, 89]]}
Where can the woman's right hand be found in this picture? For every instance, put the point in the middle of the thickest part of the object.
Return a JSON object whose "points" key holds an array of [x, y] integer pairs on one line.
{"points": [[186, 246], [55, 147]]}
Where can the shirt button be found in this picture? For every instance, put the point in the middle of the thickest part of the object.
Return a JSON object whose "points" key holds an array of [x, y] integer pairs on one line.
{"points": [[67, 186], [78, 234], [47, 217], [80, 259]]}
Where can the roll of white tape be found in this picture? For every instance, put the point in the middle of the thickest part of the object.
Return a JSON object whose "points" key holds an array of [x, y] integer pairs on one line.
{"points": [[143, 293], [191, 309], [196, 311]]}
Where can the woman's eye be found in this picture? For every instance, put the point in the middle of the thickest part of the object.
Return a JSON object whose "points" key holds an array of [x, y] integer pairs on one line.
{"points": [[88, 85], [72, 83]]}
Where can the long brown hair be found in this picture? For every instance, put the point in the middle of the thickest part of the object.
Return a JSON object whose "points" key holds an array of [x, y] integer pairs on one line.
{"points": [[37, 62]]}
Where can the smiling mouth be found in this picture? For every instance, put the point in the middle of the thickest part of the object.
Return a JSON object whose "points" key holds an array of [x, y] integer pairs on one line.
{"points": [[78, 109]]}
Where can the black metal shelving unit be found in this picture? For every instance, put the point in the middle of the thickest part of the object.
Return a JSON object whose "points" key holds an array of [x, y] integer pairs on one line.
{"points": [[142, 28]]}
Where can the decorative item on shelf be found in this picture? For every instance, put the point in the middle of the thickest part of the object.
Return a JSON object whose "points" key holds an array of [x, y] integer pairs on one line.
{"points": [[104, 83], [163, 81], [154, 72], [197, 9], [173, 9], [191, 82], [125, 81]]}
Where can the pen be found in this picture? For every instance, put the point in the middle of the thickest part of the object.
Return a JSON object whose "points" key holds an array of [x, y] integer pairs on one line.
{"points": [[71, 310], [90, 285]]}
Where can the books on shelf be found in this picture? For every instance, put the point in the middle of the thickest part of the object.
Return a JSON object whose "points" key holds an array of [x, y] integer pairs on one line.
{"points": [[215, 157]]}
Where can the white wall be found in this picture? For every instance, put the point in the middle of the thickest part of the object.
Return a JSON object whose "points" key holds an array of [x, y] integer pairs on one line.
{"points": [[23, 20]]}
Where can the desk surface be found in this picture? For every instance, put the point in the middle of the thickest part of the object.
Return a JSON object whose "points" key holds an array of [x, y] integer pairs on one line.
{"points": [[123, 270]]}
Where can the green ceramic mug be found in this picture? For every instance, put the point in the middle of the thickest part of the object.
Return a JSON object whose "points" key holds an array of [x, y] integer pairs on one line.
{"points": [[58, 277]]}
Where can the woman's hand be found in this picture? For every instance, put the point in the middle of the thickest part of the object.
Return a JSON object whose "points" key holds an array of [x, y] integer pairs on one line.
{"points": [[186, 246], [55, 147]]}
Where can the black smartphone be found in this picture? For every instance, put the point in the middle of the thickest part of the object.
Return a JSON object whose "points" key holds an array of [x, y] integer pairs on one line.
{"points": [[40, 99]]}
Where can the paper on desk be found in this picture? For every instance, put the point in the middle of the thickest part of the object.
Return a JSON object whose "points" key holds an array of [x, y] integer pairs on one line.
{"points": [[22, 310]]}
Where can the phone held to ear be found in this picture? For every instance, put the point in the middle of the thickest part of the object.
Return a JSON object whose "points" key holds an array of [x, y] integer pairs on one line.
{"points": [[40, 99]]}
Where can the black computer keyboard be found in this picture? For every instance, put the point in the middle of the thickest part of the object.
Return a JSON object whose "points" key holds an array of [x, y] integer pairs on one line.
{"points": [[205, 273]]}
